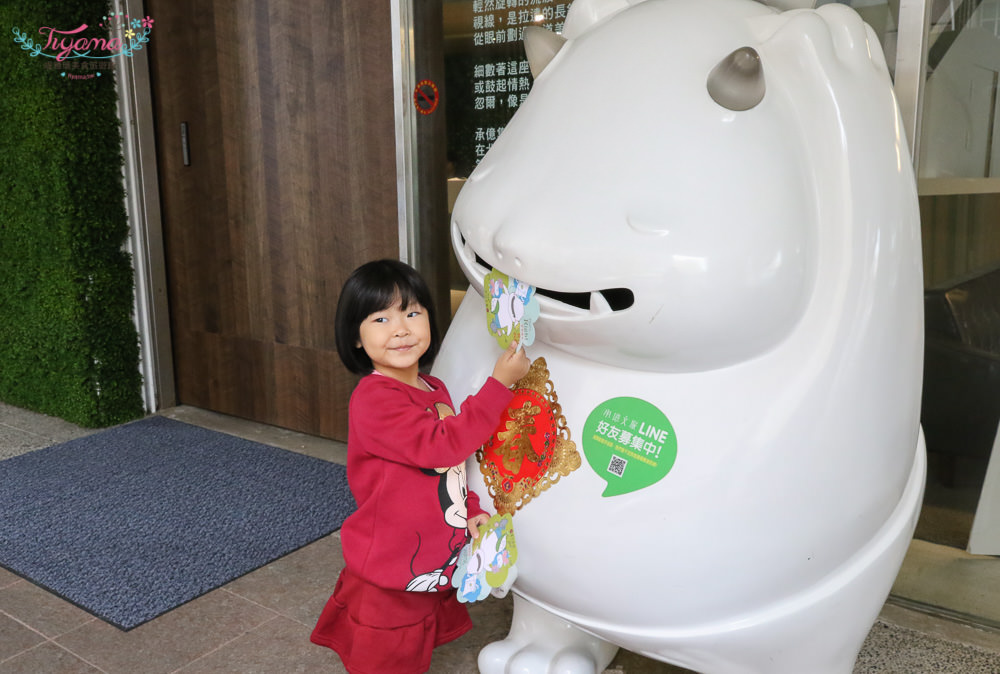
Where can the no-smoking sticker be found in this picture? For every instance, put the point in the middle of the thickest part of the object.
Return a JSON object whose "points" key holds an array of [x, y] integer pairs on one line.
{"points": [[426, 97]]}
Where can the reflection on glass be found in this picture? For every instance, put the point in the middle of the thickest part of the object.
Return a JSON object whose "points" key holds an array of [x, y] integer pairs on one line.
{"points": [[960, 101], [486, 71], [958, 156], [959, 205], [487, 78]]}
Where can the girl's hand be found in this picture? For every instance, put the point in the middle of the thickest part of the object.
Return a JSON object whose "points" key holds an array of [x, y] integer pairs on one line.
{"points": [[512, 365], [476, 522]]}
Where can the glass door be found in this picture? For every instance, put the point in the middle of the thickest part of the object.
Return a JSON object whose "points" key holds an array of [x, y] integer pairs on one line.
{"points": [[951, 565], [462, 76], [486, 79]]}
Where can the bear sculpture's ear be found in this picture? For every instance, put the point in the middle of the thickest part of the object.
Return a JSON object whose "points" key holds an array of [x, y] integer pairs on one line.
{"points": [[541, 46], [737, 82]]}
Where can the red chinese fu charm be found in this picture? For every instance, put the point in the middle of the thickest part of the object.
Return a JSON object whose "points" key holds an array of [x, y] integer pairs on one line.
{"points": [[530, 449]]}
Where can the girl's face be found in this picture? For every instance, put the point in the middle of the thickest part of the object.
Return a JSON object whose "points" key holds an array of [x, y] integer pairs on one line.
{"points": [[395, 339]]}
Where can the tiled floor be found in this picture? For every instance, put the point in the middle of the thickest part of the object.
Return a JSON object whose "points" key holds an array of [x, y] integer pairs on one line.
{"points": [[261, 622]]}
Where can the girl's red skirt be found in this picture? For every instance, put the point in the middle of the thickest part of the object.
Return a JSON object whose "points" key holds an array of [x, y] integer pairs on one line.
{"points": [[379, 631]]}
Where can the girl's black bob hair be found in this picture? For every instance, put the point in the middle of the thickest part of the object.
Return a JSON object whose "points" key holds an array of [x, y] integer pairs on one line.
{"points": [[372, 287]]}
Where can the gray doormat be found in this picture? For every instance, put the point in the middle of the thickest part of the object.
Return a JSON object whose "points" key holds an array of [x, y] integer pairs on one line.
{"points": [[136, 520]]}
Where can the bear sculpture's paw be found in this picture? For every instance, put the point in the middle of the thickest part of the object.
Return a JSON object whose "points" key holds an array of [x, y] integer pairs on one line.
{"points": [[541, 643]]}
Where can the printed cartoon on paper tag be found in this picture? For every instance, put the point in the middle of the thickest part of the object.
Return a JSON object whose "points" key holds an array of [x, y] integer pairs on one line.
{"points": [[511, 309], [487, 565]]}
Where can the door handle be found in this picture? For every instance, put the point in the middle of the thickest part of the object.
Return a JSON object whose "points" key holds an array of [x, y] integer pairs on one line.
{"points": [[185, 147]]}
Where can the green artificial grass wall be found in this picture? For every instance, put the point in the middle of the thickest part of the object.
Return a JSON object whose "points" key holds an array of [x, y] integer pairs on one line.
{"points": [[68, 345]]}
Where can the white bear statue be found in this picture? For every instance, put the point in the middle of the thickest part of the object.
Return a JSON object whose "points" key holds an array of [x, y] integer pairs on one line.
{"points": [[715, 203]]}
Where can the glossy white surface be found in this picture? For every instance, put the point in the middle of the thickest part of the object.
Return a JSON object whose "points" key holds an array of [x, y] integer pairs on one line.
{"points": [[774, 259]]}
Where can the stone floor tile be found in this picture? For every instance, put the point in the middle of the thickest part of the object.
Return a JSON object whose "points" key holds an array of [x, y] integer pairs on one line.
{"points": [[298, 584], [321, 448], [47, 658], [53, 429], [491, 620], [15, 637], [8, 578], [41, 609], [169, 642], [280, 646], [14, 441], [309, 612]]}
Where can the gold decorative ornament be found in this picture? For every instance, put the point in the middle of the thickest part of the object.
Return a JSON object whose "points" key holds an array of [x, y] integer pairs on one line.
{"points": [[531, 447]]}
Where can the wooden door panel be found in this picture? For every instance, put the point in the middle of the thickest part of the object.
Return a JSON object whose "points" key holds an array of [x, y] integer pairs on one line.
{"points": [[291, 184]]}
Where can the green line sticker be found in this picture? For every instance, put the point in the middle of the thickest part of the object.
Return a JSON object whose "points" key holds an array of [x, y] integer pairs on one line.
{"points": [[629, 443]]}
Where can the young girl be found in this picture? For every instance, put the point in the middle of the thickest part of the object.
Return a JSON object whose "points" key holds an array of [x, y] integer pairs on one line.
{"points": [[406, 452]]}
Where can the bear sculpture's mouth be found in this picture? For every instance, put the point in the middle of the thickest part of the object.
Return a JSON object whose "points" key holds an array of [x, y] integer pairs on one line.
{"points": [[608, 300]]}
